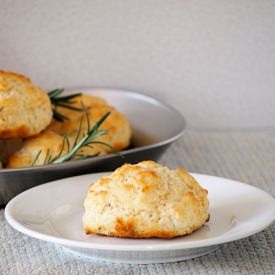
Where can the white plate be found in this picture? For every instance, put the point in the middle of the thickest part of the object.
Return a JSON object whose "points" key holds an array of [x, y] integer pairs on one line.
{"points": [[53, 212]]}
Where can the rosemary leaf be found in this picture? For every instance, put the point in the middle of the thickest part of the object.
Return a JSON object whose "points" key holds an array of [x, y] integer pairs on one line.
{"points": [[55, 93], [36, 157], [47, 157], [58, 116], [68, 106], [69, 97], [78, 131], [62, 101]]}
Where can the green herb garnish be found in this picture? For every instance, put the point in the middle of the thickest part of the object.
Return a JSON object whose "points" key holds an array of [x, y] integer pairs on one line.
{"points": [[88, 140], [62, 101]]}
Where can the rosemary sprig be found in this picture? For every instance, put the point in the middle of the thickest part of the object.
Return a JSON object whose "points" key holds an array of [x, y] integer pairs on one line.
{"points": [[62, 101], [87, 140]]}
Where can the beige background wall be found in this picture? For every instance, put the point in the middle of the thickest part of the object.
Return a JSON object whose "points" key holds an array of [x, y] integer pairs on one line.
{"points": [[212, 60]]}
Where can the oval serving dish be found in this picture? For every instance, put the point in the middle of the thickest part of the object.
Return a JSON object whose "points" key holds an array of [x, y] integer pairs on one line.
{"points": [[155, 126]]}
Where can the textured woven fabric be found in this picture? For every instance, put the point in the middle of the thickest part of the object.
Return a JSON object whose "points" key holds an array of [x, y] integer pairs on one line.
{"points": [[247, 156]]}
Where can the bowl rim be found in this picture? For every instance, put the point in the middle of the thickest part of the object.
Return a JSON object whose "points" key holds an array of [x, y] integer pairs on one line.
{"points": [[123, 152]]}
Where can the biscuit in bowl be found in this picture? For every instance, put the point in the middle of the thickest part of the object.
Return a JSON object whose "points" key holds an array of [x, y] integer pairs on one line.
{"points": [[88, 101], [25, 110], [118, 128], [48, 144], [145, 200]]}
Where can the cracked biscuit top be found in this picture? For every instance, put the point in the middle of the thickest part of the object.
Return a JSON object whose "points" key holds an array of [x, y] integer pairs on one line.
{"points": [[25, 110], [145, 200]]}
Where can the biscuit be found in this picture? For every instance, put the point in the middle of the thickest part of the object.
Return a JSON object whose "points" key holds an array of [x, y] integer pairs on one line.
{"points": [[49, 143], [118, 130], [25, 110], [145, 200], [87, 100]]}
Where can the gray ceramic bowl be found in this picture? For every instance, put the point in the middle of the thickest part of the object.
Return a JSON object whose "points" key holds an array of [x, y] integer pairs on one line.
{"points": [[155, 126]]}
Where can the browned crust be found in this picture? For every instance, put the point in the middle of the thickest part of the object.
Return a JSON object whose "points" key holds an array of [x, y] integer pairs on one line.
{"points": [[21, 131], [189, 210], [126, 229], [15, 75]]}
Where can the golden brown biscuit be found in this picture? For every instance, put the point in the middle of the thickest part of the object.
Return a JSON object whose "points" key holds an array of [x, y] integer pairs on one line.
{"points": [[49, 143], [25, 110], [87, 100], [118, 132], [145, 200]]}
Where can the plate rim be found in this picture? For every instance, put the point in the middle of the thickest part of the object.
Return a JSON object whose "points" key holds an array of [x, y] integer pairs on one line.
{"points": [[150, 247]]}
